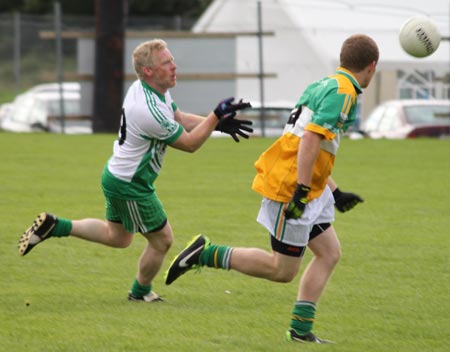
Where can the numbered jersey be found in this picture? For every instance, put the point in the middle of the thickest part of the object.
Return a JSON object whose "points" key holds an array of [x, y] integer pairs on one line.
{"points": [[147, 127], [327, 107]]}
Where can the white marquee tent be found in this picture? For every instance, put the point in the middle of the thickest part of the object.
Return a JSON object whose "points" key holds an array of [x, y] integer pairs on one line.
{"points": [[308, 35]]}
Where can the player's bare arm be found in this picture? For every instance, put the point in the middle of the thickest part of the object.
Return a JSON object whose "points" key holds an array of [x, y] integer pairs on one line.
{"points": [[187, 120], [190, 141], [331, 184], [307, 155], [198, 128]]}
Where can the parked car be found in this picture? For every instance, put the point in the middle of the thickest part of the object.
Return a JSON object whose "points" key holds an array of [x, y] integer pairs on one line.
{"points": [[5, 109], [397, 119], [39, 109], [276, 114], [54, 87]]}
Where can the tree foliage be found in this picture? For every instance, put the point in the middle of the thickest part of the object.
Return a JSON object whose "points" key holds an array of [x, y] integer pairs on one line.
{"points": [[168, 7], [189, 8]]}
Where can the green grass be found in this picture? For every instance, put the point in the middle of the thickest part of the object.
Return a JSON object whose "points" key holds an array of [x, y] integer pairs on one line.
{"points": [[389, 293]]}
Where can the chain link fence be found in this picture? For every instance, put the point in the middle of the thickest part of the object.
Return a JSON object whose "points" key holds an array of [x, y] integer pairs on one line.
{"points": [[26, 59]]}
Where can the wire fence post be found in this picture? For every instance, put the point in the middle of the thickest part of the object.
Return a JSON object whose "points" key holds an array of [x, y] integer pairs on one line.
{"points": [[261, 70], [17, 53], [59, 62]]}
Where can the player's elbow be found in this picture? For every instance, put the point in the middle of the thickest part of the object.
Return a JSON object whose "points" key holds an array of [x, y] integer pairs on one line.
{"points": [[188, 143], [188, 148], [192, 148]]}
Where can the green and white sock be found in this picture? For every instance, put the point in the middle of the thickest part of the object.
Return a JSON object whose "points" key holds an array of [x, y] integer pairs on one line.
{"points": [[215, 256], [62, 228], [303, 316], [138, 290]]}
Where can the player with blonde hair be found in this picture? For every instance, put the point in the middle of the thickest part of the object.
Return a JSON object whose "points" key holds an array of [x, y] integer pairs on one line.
{"points": [[150, 122]]}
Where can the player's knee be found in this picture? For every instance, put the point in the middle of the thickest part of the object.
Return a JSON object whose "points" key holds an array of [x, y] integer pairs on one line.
{"points": [[284, 278], [123, 241], [332, 256], [283, 275], [166, 244], [161, 241], [336, 255]]}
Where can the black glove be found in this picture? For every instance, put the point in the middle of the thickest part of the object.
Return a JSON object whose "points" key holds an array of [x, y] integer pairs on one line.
{"points": [[226, 108], [345, 201], [297, 205], [232, 126]]}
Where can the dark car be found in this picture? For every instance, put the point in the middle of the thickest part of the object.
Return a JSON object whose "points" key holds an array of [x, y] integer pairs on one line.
{"points": [[398, 119]]}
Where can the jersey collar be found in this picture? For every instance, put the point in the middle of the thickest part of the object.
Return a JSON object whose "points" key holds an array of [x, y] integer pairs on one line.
{"points": [[349, 75], [162, 97]]}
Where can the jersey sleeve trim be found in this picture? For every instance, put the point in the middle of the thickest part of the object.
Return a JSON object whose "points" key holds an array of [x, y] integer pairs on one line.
{"points": [[320, 130], [175, 136]]}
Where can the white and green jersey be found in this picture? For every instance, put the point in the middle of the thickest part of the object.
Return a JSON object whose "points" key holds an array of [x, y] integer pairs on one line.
{"points": [[147, 127]]}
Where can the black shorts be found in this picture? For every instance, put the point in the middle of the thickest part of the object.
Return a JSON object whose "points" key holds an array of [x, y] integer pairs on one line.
{"points": [[294, 251]]}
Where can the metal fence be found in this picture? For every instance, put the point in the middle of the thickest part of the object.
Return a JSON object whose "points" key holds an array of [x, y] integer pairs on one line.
{"points": [[26, 59]]}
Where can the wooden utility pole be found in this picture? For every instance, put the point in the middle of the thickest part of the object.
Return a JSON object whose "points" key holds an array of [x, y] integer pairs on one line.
{"points": [[110, 16]]}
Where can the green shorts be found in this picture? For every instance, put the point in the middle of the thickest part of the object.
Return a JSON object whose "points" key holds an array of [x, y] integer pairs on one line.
{"points": [[143, 215]]}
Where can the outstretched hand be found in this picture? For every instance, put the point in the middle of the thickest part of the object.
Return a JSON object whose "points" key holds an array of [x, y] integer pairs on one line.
{"points": [[235, 127], [344, 201], [226, 111], [226, 108]]}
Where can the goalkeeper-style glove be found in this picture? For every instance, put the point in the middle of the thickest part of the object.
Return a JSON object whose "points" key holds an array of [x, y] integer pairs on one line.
{"points": [[297, 205], [235, 127], [226, 108], [344, 201]]}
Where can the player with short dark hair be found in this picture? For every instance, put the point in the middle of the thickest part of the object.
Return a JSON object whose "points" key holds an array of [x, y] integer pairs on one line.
{"points": [[294, 178], [150, 122]]}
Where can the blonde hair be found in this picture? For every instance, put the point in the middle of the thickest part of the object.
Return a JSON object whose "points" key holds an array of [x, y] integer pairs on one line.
{"points": [[143, 55]]}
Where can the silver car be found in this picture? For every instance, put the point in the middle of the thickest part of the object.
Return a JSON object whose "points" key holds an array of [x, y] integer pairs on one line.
{"points": [[39, 109]]}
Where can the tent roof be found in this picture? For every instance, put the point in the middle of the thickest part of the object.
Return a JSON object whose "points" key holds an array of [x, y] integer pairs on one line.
{"points": [[326, 23]]}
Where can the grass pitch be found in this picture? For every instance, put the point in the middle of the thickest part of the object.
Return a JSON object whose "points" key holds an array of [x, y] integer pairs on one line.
{"points": [[389, 293]]}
